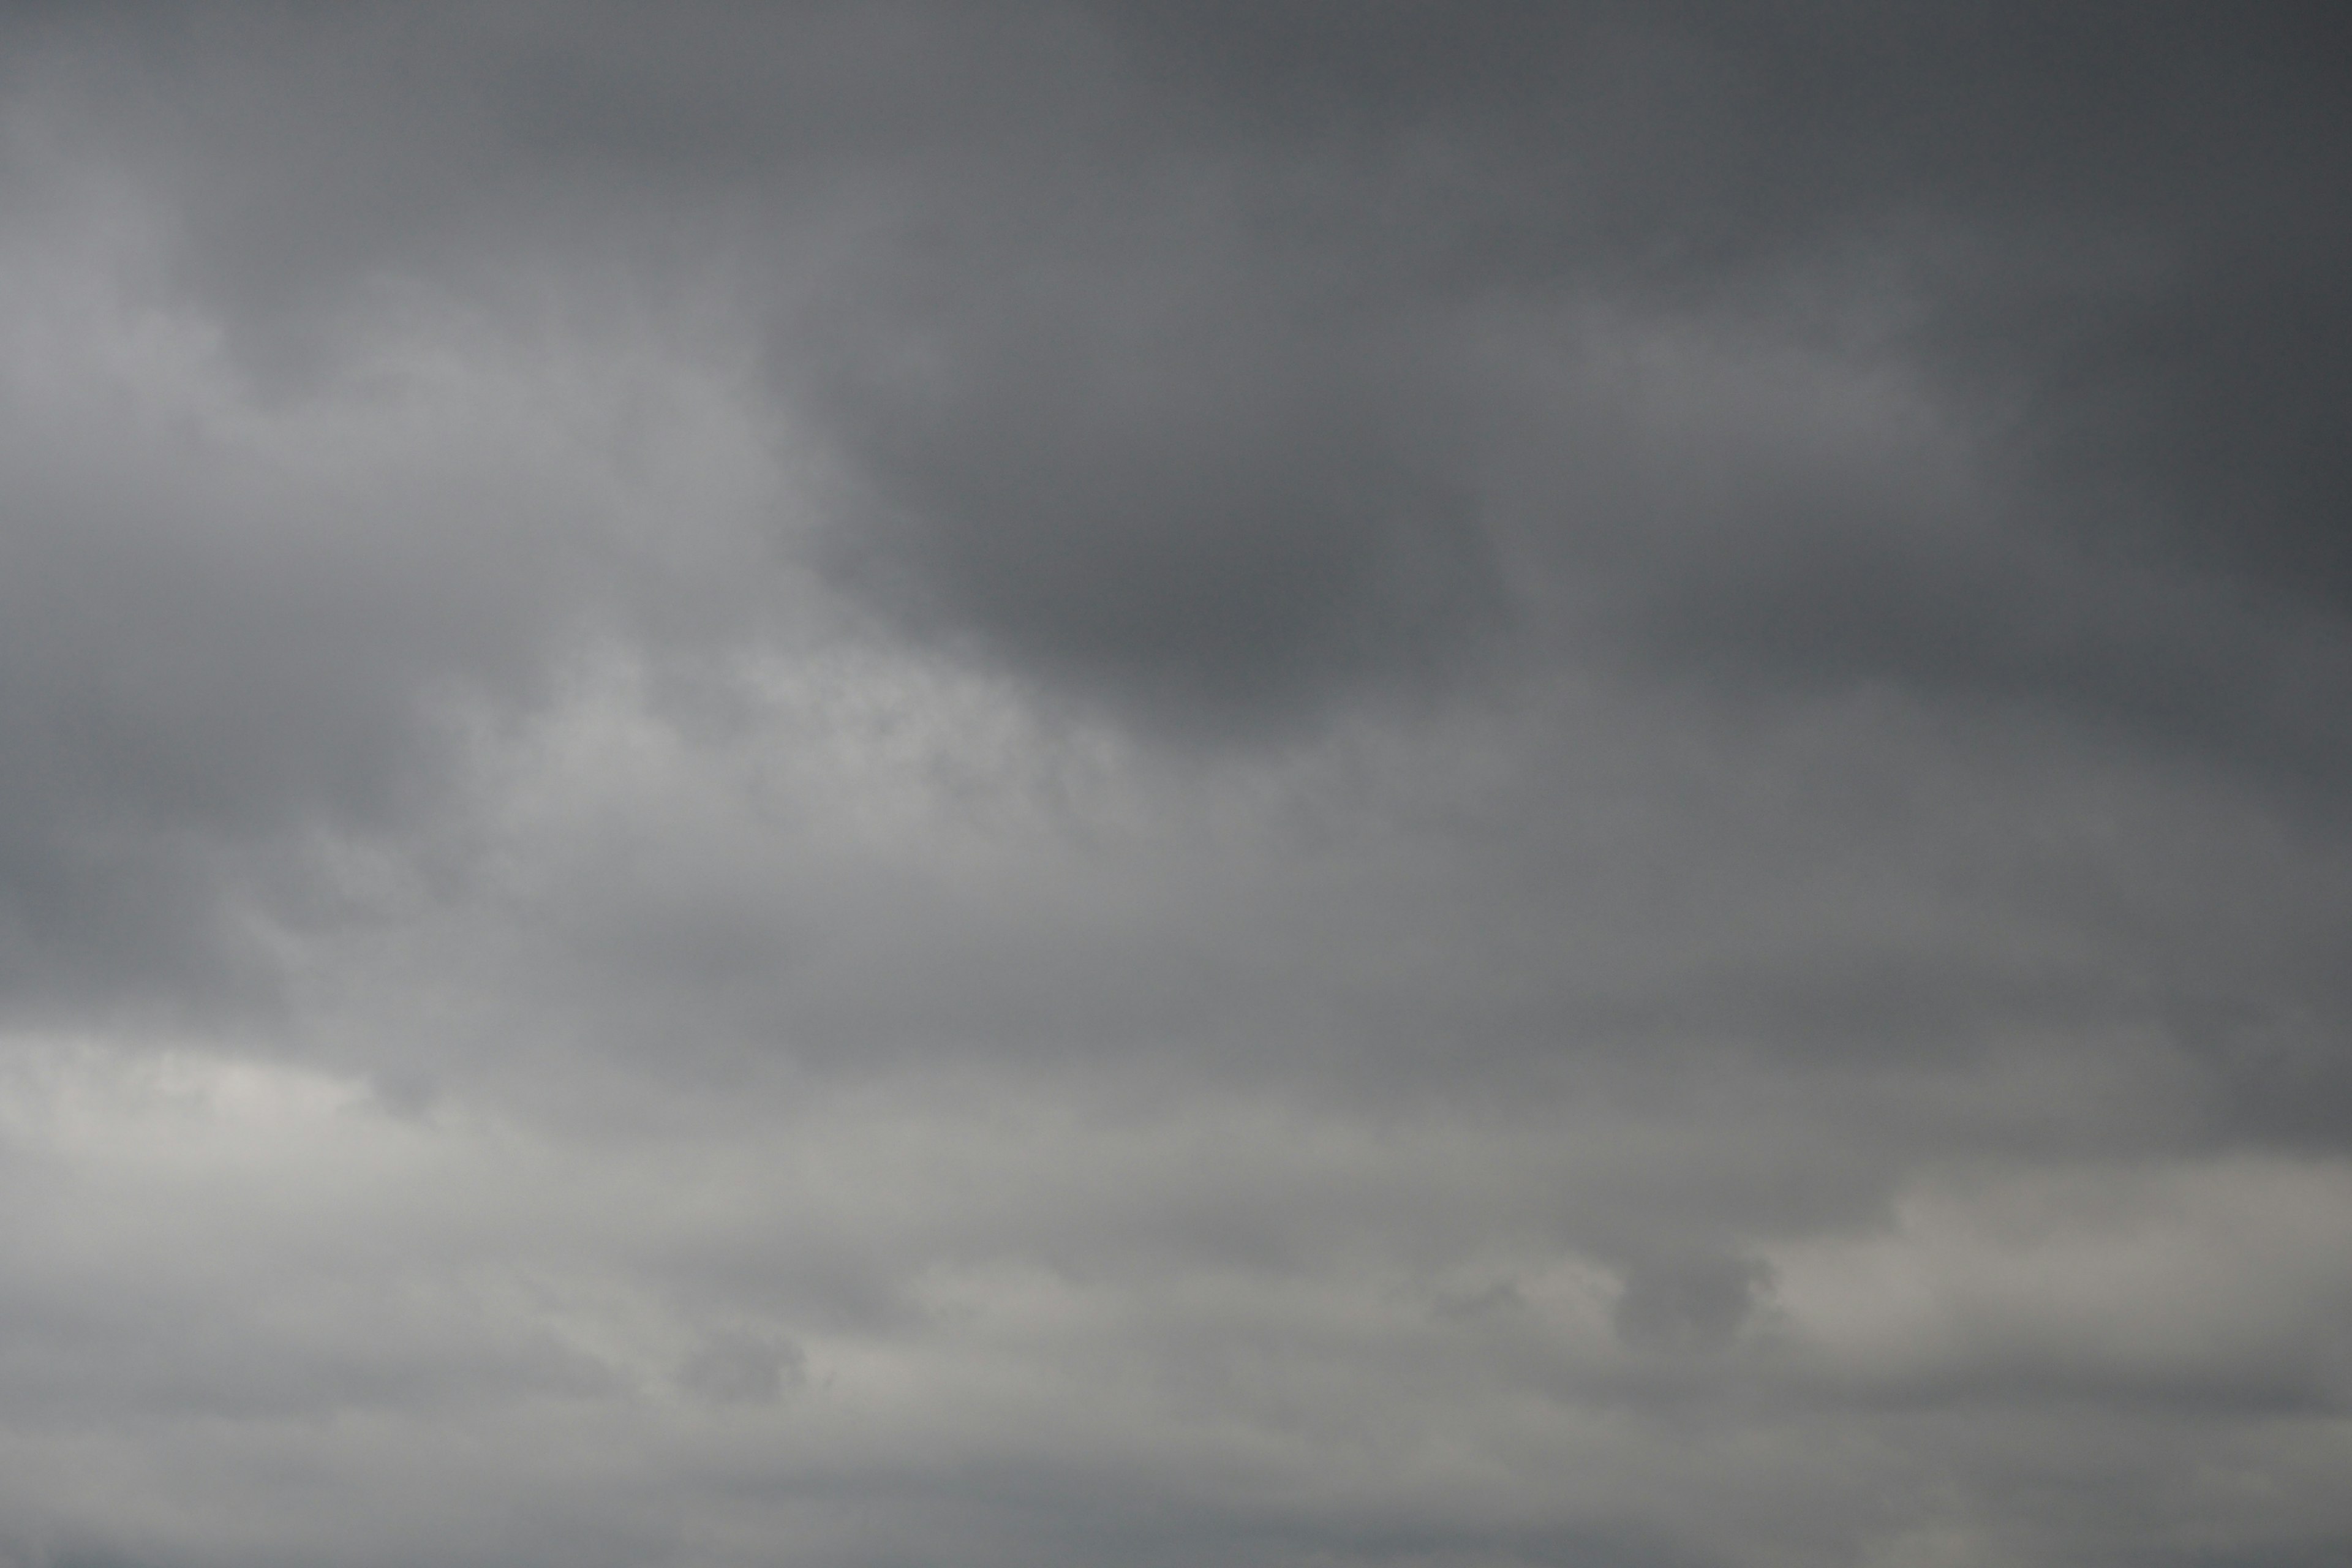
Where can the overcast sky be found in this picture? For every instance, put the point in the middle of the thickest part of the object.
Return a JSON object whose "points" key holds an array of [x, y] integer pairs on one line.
{"points": [[1136, 785]]}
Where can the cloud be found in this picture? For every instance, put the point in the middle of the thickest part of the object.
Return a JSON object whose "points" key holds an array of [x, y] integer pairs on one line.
{"points": [[1377, 784]]}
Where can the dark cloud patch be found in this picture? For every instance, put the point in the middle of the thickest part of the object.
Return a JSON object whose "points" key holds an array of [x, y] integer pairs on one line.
{"points": [[1180, 494], [741, 1369], [1689, 1304], [2200, 411], [2276, 1062]]}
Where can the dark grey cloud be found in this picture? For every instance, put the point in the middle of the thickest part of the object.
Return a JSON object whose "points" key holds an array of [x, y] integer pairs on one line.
{"points": [[1111, 782], [1132, 329], [1210, 517]]}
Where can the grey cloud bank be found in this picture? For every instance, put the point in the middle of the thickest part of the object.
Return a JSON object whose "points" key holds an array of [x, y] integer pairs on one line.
{"points": [[1458, 785]]}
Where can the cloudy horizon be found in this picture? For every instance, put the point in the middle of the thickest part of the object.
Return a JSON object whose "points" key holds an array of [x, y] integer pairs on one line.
{"points": [[1127, 784]]}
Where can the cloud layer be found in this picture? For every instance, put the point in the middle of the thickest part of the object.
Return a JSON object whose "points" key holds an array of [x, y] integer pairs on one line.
{"points": [[1452, 787]]}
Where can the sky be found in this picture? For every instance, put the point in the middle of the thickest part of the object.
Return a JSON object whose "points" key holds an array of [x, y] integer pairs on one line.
{"points": [[1121, 785]]}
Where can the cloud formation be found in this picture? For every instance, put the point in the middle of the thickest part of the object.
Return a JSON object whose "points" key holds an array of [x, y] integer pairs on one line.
{"points": [[1460, 786]]}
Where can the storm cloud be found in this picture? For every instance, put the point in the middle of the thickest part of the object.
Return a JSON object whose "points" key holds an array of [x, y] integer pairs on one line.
{"points": [[1449, 785]]}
